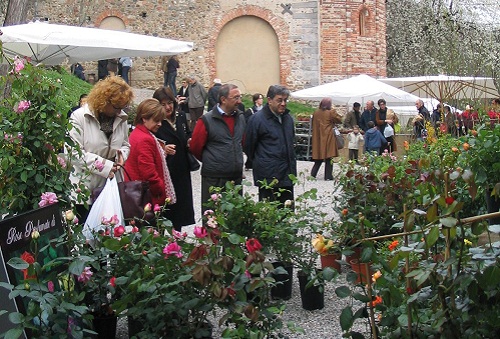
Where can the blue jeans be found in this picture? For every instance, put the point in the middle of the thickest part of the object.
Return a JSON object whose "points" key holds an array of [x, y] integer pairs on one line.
{"points": [[125, 70], [169, 80]]}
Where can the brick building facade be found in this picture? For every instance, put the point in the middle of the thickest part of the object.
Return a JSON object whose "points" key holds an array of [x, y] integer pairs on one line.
{"points": [[299, 43]]}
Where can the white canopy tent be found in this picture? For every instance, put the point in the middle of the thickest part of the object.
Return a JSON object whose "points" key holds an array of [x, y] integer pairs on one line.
{"points": [[53, 44], [361, 88], [446, 87]]}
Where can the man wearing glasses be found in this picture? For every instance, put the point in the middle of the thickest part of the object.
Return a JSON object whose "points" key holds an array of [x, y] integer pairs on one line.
{"points": [[269, 139], [217, 142]]}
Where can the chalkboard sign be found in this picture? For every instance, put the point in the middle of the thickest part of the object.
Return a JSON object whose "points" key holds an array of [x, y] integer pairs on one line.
{"points": [[15, 240]]}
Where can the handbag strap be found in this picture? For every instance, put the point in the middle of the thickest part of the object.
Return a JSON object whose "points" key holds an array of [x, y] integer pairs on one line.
{"points": [[125, 171]]}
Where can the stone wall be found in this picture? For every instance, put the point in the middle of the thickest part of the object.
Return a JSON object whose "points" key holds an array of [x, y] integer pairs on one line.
{"points": [[319, 41]]}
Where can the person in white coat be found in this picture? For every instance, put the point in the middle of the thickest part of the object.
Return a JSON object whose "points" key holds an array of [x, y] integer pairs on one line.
{"points": [[355, 138], [101, 131]]}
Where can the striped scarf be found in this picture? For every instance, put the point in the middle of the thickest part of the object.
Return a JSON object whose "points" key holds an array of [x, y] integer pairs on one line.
{"points": [[169, 186]]}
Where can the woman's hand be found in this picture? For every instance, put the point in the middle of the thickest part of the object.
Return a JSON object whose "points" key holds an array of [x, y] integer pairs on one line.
{"points": [[116, 166], [169, 149]]}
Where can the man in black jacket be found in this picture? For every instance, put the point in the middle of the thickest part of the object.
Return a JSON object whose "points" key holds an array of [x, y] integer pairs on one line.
{"points": [[269, 140], [369, 114]]}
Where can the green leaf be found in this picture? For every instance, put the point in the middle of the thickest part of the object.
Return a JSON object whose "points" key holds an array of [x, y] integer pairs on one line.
{"points": [[432, 237], [76, 267], [14, 333], [16, 318], [361, 297], [346, 318], [448, 221], [343, 292], [490, 278], [423, 277], [432, 213], [18, 263], [478, 228], [112, 244], [235, 239], [24, 176], [121, 280]]}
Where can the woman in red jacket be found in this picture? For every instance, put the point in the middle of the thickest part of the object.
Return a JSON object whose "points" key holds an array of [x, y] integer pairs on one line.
{"points": [[146, 161]]}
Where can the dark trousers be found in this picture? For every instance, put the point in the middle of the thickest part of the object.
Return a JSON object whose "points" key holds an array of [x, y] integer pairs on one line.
{"points": [[280, 194], [82, 213], [194, 115], [207, 182], [353, 154], [328, 168]]}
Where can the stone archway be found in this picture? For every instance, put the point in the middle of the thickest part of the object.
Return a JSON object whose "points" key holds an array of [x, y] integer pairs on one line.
{"points": [[247, 54], [112, 23]]}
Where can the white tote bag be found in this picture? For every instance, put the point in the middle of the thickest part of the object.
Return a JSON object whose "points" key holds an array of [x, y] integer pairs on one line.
{"points": [[106, 206]]}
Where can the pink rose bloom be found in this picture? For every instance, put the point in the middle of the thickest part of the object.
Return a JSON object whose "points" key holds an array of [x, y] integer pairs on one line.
{"points": [[215, 197], [61, 161], [75, 221], [135, 229], [118, 231], [179, 235], [23, 106], [85, 275], [172, 249], [200, 232], [157, 208], [18, 64], [50, 286], [47, 198], [212, 222], [208, 212], [99, 165], [114, 220], [104, 221]]}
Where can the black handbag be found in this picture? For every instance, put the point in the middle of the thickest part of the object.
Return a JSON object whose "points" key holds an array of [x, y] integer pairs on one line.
{"points": [[134, 195], [194, 165]]}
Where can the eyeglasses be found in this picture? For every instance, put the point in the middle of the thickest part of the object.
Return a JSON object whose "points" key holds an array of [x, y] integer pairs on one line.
{"points": [[236, 97]]}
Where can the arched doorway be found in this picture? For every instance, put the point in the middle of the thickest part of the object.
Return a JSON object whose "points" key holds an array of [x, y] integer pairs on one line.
{"points": [[247, 54], [113, 23]]}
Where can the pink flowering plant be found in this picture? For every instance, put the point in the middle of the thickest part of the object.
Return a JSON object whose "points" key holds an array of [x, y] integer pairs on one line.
{"points": [[33, 127], [50, 270]]}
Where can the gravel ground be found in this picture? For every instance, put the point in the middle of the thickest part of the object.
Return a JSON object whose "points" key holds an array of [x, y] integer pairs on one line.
{"points": [[316, 324]]}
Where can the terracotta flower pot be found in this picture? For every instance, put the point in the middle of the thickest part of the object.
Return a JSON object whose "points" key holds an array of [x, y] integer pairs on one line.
{"points": [[362, 269], [330, 260], [356, 255]]}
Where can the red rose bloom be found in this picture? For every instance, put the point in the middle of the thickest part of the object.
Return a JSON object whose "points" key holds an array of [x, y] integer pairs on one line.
{"points": [[30, 259], [112, 281], [253, 245], [449, 200]]}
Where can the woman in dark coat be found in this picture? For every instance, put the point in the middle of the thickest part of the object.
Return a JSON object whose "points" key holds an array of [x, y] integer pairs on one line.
{"points": [[175, 132]]}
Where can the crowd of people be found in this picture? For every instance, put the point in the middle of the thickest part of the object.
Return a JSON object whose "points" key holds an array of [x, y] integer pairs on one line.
{"points": [[173, 126]]}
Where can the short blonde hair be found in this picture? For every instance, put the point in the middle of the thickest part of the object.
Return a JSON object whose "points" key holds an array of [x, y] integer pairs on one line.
{"points": [[111, 90], [150, 108]]}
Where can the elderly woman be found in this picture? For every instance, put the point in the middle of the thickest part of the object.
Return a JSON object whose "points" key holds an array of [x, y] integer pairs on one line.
{"points": [[147, 157], [324, 143], [100, 128], [175, 132]]}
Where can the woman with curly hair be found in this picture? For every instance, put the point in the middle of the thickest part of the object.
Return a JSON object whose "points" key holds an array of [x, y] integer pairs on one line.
{"points": [[100, 129]]}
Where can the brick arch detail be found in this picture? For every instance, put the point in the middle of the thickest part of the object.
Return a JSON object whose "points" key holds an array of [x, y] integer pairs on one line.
{"points": [[109, 12], [278, 24], [369, 21]]}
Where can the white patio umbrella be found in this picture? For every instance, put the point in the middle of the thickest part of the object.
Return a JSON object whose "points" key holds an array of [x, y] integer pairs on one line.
{"points": [[446, 87], [52, 44], [359, 88]]}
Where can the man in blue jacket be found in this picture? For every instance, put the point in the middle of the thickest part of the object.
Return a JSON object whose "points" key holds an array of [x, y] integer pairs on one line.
{"points": [[269, 140]]}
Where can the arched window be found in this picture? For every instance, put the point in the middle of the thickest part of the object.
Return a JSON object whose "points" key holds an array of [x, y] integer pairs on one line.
{"points": [[363, 18]]}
